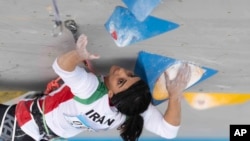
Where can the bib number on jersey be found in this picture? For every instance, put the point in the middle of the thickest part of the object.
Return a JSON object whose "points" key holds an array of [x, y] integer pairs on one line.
{"points": [[77, 122]]}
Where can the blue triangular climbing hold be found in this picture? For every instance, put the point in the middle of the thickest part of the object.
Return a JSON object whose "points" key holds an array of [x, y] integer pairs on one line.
{"points": [[126, 29], [141, 8], [151, 66]]}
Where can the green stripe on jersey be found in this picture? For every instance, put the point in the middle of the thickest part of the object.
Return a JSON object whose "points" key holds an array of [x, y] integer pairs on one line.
{"points": [[100, 91]]}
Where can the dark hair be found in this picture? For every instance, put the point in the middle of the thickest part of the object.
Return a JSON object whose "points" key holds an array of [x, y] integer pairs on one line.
{"points": [[132, 102]]}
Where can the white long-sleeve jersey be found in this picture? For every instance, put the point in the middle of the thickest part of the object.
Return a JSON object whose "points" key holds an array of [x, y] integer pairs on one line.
{"points": [[82, 104]]}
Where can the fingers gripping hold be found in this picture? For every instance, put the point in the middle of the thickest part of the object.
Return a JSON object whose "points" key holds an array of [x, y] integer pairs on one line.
{"points": [[176, 86], [184, 74]]}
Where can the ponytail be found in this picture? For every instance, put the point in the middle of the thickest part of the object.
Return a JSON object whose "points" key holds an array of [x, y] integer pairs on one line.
{"points": [[131, 129], [132, 102]]}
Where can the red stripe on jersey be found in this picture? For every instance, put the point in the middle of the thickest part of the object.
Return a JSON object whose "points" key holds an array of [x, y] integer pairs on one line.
{"points": [[53, 101], [23, 112]]}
